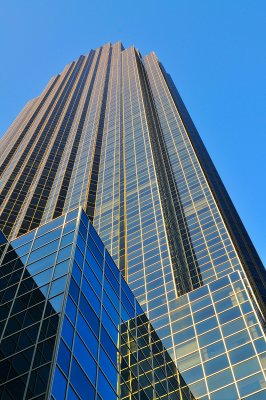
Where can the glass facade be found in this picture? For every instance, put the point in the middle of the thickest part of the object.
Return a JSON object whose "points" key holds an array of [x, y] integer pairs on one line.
{"points": [[71, 327], [220, 340], [112, 135]]}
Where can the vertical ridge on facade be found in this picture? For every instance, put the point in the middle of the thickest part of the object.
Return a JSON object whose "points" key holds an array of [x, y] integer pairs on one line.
{"points": [[92, 189]]}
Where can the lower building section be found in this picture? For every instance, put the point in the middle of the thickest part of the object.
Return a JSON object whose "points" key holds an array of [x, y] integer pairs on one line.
{"points": [[70, 326], [220, 342]]}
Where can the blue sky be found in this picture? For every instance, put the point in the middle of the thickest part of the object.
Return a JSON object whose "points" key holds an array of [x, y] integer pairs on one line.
{"points": [[215, 51]]}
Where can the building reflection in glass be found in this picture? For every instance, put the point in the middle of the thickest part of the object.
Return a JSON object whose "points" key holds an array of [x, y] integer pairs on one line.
{"points": [[70, 326]]}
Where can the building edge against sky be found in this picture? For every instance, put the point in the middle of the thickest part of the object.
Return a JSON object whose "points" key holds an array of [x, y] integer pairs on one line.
{"points": [[111, 134]]}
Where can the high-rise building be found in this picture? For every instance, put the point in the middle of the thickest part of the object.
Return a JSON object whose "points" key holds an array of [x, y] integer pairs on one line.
{"points": [[112, 135]]}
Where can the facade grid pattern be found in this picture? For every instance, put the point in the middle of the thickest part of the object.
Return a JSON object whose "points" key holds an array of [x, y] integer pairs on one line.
{"points": [[72, 329], [112, 135]]}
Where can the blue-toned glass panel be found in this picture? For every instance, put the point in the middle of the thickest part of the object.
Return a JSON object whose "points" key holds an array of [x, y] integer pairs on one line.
{"points": [[104, 388], [228, 392], [63, 357], [59, 385], [80, 382], [48, 240], [51, 225], [61, 269], [85, 359], [221, 379], [251, 384], [216, 364], [87, 335]]}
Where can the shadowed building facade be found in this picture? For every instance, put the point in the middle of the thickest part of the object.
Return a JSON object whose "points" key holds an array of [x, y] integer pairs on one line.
{"points": [[112, 135]]}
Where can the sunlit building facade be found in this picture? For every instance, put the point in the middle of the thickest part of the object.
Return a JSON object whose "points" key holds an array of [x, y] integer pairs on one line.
{"points": [[112, 135]]}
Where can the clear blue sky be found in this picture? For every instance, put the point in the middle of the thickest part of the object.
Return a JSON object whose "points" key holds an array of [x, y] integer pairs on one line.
{"points": [[215, 51]]}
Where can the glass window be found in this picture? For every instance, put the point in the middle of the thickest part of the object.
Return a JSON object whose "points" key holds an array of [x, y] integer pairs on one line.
{"points": [[258, 396], [57, 286], [233, 326], [198, 389], [184, 335], [43, 277], [252, 384], [198, 293], [216, 364], [91, 296], [45, 239], [188, 361], [180, 324], [87, 335], [76, 272], [23, 239], [246, 368], [74, 290], [212, 350], [251, 319], [71, 395], [56, 302], [67, 240], [237, 340], [63, 358], [91, 278], [79, 257], [59, 385], [228, 392], [71, 310], [81, 244], [206, 325], [201, 303], [193, 374], [89, 314], [43, 251], [260, 345], [42, 264], [220, 283], [109, 345], [93, 265], [83, 230], [255, 331], [104, 388], [72, 214], [221, 379], [96, 238], [112, 279], [225, 304], [95, 251], [241, 353], [64, 253], [23, 249], [229, 315], [80, 382], [61, 269], [70, 226], [108, 368], [246, 307], [203, 314], [51, 225], [209, 337], [85, 359], [67, 332]]}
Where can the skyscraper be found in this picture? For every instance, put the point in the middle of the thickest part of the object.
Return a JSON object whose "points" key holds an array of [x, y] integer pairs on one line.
{"points": [[112, 135]]}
